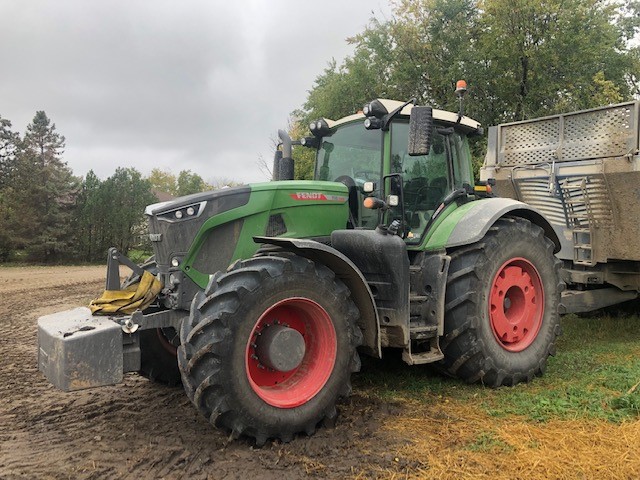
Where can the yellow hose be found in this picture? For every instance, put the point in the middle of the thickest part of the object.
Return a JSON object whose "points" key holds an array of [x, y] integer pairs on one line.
{"points": [[134, 297]]}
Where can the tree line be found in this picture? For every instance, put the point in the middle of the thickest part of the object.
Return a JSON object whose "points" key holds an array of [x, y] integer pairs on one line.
{"points": [[48, 215]]}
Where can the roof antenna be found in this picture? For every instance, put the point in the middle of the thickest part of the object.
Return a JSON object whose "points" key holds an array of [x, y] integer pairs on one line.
{"points": [[461, 89]]}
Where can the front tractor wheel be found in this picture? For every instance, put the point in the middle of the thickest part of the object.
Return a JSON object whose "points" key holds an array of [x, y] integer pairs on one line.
{"points": [[269, 347], [501, 306]]}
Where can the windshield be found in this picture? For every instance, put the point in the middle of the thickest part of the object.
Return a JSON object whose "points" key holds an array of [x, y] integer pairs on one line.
{"points": [[353, 155], [350, 151]]}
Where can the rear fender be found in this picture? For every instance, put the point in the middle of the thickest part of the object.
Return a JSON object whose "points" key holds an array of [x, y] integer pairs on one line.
{"points": [[346, 271], [469, 223]]}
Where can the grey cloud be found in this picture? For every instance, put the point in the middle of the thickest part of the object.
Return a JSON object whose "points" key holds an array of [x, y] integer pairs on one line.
{"points": [[202, 85]]}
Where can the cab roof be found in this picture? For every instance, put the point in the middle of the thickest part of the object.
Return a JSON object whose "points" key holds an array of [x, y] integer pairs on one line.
{"points": [[390, 105]]}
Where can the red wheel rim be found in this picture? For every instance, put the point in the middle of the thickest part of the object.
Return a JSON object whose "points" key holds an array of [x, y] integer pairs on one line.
{"points": [[516, 304], [298, 386]]}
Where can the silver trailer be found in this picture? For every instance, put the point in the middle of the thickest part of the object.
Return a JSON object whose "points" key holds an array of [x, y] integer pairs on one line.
{"points": [[582, 171]]}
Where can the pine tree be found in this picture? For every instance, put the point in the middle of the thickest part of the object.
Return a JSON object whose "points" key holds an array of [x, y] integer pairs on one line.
{"points": [[43, 191], [89, 213], [9, 141]]}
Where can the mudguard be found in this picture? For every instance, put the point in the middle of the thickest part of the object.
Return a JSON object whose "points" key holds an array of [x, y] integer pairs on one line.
{"points": [[470, 222], [346, 271]]}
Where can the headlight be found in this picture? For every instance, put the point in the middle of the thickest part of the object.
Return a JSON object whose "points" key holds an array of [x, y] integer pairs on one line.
{"points": [[184, 213], [319, 128], [375, 108], [372, 123]]}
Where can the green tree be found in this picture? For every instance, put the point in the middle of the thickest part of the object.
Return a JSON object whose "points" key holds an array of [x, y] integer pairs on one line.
{"points": [[188, 183], [304, 157], [420, 53], [542, 57], [90, 213], [185, 183], [524, 58], [42, 194], [9, 142], [122, 198], [163, 181]]}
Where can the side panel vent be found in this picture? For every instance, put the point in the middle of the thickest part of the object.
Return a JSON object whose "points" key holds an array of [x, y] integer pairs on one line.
{"points": [[217, 250], [276, 226]]}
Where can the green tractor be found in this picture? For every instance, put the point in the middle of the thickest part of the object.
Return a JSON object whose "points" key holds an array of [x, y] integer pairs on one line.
{"points": [[267, 294]]}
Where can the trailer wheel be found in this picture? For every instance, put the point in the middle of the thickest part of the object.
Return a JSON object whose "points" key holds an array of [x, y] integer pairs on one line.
{"points": [[269, 347], [158, 346], [501, 305]]}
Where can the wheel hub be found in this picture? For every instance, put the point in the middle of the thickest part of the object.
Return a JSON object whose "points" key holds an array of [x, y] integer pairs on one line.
{"points": [[516, 304], [291, 352], [280, 348]]}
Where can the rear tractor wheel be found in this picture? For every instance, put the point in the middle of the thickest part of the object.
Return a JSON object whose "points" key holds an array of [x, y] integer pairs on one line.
{"points": [[269, 347], [501, 310]]}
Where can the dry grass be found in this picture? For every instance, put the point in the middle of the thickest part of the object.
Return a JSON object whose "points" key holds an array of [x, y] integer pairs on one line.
{"points": [[457, 440]]}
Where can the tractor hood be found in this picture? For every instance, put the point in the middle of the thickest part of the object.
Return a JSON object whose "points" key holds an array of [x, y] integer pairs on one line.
{"points": [[236, 195], [206, 230]]}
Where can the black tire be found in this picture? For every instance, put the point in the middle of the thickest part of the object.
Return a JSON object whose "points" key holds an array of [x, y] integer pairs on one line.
{"points": [[512, 267], [216, 352], [158, 346], [158, 356]]}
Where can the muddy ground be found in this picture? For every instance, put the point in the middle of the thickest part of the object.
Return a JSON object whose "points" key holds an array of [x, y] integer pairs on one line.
{"points": [[143, 430], [138, 429]]}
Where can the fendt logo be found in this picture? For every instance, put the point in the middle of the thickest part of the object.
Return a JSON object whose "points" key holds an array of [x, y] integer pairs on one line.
{"points": [[308, 196], [317, 196]]}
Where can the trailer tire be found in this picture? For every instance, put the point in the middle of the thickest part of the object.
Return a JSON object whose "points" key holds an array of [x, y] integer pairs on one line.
{"points": [[501, 306], [221, 355], [158, 346]]}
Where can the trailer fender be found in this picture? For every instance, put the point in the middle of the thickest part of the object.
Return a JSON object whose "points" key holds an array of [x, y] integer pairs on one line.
{"points": [[346, 271], [475, 219]]}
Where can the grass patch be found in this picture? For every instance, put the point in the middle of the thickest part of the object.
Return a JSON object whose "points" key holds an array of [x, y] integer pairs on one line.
{"points": [[591, 377], [629, 403], [489, 442]]}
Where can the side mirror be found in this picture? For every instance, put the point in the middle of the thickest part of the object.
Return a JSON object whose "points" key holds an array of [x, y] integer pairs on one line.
{"points": [[420, 127]]}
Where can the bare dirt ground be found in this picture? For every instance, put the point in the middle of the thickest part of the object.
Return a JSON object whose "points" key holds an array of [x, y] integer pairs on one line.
{"points": [[142, 430]]}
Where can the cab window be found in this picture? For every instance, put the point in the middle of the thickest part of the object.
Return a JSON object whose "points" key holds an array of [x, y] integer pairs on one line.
{"points": [[426, 179], [353, 155]]}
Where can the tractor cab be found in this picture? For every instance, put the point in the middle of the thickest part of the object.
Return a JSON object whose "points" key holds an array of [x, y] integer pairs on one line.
{"points": [[369, 153]]}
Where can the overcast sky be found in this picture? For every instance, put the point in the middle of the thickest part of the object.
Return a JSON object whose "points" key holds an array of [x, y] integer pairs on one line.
{"points": [[183, 85]]}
